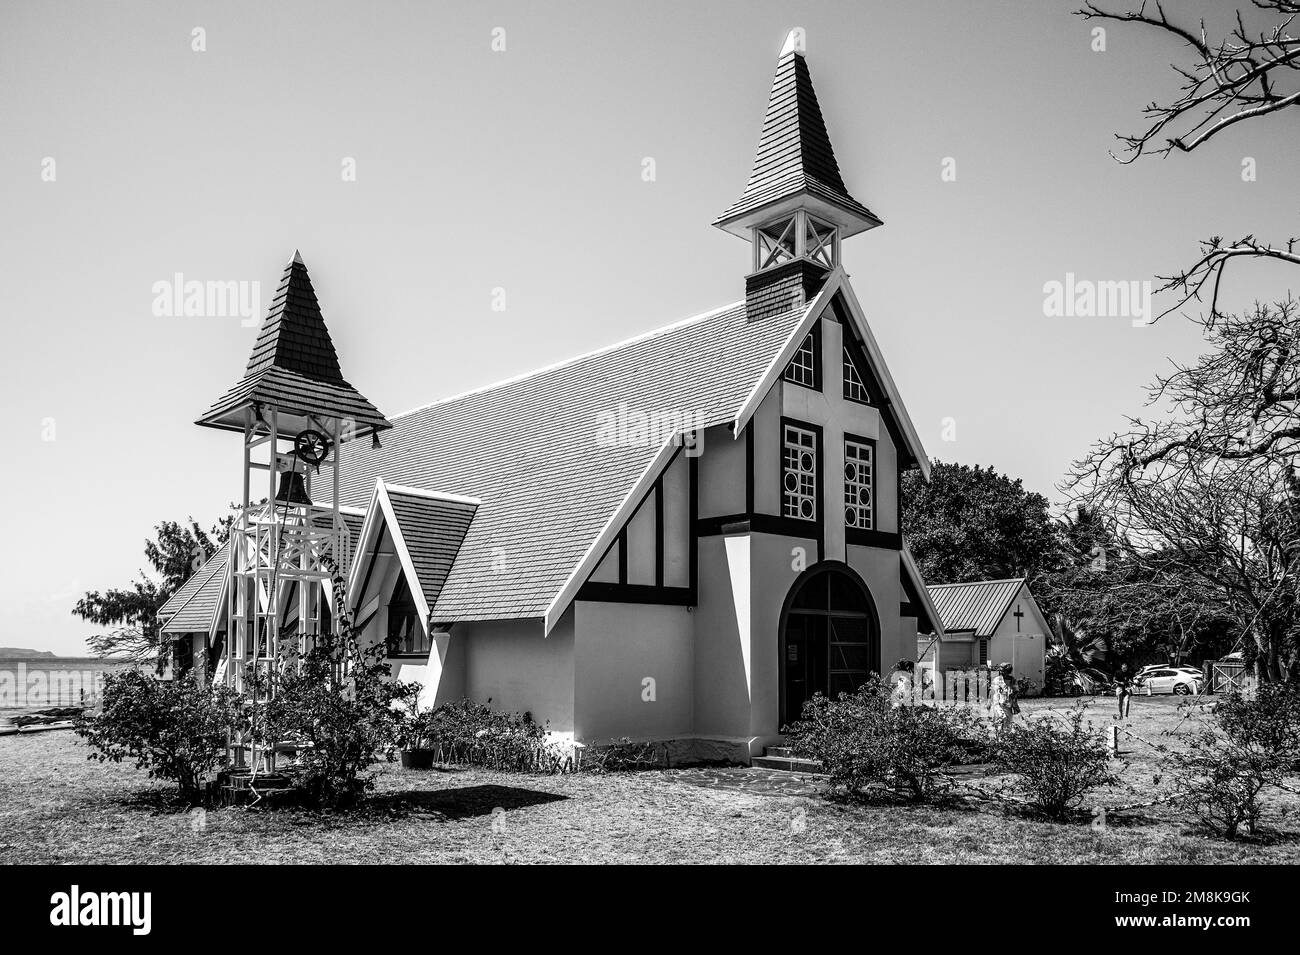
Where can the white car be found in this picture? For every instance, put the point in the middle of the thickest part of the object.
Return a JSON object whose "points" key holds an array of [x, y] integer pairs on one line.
{"points": [[1182, 681]]}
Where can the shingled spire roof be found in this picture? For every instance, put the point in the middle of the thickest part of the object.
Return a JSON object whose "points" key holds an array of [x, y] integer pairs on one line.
{"points": [[294, 366], [795, 160]]}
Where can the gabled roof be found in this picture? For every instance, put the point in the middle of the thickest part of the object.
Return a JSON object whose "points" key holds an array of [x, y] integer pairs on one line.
{"points": [[294, 366], [530, 449], [194, 606], [795, 157], [976, 607], [431, 528]]}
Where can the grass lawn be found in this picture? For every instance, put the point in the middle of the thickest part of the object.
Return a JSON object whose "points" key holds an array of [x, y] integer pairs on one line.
{"points": [[56, 807]]}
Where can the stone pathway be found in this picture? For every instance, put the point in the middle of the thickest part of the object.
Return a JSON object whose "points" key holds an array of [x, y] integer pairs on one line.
{"points": [[750, 779]]}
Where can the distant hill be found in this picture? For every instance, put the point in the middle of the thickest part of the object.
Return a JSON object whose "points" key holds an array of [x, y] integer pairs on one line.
{"points": [[17, 653]]}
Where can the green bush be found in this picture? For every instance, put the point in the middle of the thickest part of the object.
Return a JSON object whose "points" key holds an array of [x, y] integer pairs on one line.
{"points": [[866, 744], [1053, 765], [175, 729], [1252, 748]]}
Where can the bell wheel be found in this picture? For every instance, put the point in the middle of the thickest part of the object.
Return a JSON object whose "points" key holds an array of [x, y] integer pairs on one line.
{"points": [[311, 446]]}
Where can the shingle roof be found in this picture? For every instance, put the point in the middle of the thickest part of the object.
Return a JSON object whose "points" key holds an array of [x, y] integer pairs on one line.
{"points": [[432, 529], [794, 150], [978, 606], [528, 449], [294, 366], [194, 605]]}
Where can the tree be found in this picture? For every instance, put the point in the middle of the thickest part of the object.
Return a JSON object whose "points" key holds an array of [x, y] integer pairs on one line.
{"points": [[975, 524], [1249, 74], [176, 552]]}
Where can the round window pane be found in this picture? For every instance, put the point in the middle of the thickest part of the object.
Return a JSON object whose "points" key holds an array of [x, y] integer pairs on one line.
{"points": [[806, 461], [791, 481], [806, 508], [850, 472], [864, 496], [850, 516]]}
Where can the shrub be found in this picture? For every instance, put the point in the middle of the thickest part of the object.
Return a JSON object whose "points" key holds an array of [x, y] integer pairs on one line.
{"points": [[175, 729], [1252, 747], [334, 703], [1054, 766], [863, 742], [464, 731]]}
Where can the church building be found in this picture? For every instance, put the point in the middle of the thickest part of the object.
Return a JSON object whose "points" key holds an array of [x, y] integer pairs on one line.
{"points": [[680, 537]]}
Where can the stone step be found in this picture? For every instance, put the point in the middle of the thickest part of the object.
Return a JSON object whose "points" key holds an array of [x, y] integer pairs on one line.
{"points": [[783, 751], [791, 763]]}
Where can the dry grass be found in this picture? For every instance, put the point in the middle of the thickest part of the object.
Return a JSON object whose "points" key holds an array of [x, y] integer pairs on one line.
{"points": [[55, 807]]}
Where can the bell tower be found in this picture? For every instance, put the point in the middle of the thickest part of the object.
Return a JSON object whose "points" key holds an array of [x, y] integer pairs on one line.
{"points": [[795, 209], [296, 413]]}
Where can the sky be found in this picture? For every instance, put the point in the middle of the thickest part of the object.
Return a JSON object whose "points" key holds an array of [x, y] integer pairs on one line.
{"points": [[481, 169]]}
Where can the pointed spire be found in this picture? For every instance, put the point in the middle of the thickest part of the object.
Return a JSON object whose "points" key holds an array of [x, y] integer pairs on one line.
{"points": [[795, 164], [294, 366]]}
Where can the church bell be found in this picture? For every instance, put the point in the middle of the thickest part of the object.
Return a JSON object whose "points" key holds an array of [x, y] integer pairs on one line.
{"points": [[293, 488]]}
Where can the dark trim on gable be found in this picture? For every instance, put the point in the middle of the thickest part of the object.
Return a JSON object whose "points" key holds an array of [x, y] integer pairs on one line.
{"points": [[659, 529], [694, 492], [622, 551], [636, 594], [887, 540], [908, 610], [749, 470], [758, 524]]}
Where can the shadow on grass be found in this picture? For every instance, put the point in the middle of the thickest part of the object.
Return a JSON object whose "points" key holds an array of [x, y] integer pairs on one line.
{"points": [[464, 803]]}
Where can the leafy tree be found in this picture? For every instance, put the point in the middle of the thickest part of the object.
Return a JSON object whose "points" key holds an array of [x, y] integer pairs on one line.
{"points": [[971, 523], [176, 552]]}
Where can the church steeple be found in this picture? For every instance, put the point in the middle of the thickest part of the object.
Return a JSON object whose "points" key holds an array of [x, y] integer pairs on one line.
{"points": [[795, 208]]}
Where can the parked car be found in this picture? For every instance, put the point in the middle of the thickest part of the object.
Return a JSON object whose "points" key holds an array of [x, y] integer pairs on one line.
{"points": [[1181, 681], [1190, 671]]}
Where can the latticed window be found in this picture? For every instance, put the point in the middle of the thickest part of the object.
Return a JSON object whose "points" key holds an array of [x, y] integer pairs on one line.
{"points": [[776, 243], [859, 468], [803, 366], [799, 473], [819, 242], [855, 389]]}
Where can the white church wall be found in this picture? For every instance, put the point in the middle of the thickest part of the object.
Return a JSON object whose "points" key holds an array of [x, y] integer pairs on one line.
{"points": [[634, 673], [677, 522], [641, 543], [721, 474], [722, 638], [520, 670]]}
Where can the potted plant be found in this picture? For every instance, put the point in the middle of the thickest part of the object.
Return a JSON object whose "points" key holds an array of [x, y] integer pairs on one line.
{"points": [[416, 734]]}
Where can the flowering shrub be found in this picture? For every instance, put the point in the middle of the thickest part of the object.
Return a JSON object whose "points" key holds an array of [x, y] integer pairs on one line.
{"points": [[1054, 765], [864, 743], [175, 729]]}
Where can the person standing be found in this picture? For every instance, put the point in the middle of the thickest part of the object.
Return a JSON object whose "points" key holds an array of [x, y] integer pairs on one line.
{"points": [[1124, 689], [1002, 698]]}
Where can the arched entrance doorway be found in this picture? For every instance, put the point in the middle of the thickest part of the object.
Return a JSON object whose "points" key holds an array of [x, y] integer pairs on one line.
{"points": [[830, 637]]}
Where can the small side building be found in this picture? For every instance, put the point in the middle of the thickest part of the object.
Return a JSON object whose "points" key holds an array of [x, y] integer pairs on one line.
{"points": [[986, 622]]}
